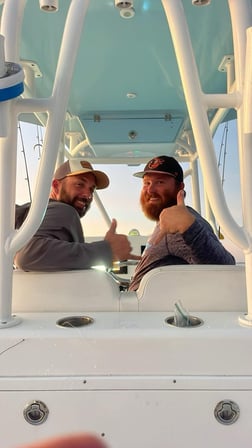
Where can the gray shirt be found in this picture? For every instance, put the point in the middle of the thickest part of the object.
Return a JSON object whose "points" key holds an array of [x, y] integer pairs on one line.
{"points": [[59, 243], [197, 245]]}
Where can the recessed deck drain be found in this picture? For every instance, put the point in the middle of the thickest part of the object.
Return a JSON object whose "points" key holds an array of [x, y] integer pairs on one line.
{"points": [[36, 412], [192, 322], [75, 321]]}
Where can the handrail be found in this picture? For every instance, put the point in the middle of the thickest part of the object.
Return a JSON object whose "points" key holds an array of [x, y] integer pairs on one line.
{"points": [[10, 240], [197, 108], [198, 114]]}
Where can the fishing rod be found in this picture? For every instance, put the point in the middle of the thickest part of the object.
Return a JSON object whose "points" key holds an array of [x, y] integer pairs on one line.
{"points": [[25, 162], [223, 149]]}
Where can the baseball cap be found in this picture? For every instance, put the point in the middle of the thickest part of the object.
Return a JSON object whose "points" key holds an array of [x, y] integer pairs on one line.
{"points": [[164, 165], [74, 167]]}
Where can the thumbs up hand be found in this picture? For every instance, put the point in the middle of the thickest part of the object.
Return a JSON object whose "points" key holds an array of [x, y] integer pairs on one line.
{"points": [[120, 245], [112, 229], [175, 219]]}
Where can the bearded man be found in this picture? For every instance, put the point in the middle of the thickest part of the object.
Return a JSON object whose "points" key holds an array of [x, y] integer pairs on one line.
{"points": [[59, 244], [181, 235]]}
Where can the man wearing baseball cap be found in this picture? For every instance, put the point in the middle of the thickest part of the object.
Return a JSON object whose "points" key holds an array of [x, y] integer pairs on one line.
{"points": [[181, 235], [59, 242]]}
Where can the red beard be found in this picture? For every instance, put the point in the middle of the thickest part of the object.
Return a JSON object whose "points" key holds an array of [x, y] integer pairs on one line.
{"points": [[152, 210]]}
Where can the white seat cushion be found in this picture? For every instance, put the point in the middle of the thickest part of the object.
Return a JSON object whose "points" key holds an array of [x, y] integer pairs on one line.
{"points": [[90, 290], [199, 287]]}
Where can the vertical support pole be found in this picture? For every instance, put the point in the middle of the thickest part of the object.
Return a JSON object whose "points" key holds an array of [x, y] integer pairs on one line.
{"points": [[2, 57], [196, 107], [241, 18], [246, 319], [11, 241], [195, 185], [7, 201], [198, 115]]}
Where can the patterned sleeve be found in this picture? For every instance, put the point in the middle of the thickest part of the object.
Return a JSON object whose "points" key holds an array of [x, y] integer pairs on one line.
{"points": [[205, 246]]}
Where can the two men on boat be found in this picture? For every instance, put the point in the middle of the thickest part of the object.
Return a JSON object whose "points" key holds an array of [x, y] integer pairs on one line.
{"points": [[59, 243], [181, 235]]}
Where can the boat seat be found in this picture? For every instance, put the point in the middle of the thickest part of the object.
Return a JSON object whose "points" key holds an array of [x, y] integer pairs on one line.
{"points": [[85, 290], [198, 287]]}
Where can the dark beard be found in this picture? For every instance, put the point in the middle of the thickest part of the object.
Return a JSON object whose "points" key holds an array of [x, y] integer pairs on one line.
{"points": [[81, 211]]}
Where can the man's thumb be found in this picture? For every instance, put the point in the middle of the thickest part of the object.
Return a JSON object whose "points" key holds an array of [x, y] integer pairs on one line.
{"points": [[180, 197], [113, 226]]}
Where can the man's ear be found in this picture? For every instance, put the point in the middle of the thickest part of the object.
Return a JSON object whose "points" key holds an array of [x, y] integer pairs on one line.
{"points": [[54, 188], [183, 188], [55, 184]]}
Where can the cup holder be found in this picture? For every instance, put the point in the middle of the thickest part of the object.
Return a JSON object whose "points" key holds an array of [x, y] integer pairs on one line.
{"points": [[75, 321], [192, 322]]}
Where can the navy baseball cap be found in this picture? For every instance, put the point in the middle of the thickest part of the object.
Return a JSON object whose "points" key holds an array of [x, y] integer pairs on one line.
{"points": [[164, 165]]}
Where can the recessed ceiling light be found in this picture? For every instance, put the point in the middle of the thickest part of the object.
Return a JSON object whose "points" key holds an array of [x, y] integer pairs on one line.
{"points": [[127, 13], [131, 95], [201, 2]]}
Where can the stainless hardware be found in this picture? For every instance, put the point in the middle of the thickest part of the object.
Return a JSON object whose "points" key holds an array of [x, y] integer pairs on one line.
{"points": [[36, 412], [227, 412], [193, 321]]}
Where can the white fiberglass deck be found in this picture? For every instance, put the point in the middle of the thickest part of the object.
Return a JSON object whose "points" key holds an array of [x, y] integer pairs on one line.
{"points": [[128, 377]]}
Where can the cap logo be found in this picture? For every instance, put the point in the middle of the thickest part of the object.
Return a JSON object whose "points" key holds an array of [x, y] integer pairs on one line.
{"points": [[85, 164], [154, 163]]}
